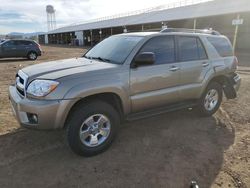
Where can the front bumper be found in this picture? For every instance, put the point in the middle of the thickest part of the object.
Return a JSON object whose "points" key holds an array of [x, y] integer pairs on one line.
{"points": [[51, 114]]}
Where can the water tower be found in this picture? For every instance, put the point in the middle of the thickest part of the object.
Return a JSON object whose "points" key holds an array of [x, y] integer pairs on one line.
{"points": [[51, 17]]}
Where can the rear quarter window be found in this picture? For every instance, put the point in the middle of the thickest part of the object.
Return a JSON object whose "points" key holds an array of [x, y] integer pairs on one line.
{"points": [[26, 43], [222, 46]]}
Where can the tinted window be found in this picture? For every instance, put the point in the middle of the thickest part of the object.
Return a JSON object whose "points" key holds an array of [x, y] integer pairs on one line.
{"points": [[22, 42], [188, 48], [26, 42], [9, 43], [18, 42], [222, 45], [163, 47], [201, 50]]}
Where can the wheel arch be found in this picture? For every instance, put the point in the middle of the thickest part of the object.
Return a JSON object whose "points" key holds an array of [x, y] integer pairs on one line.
{"points": [[111, 98], [224, 81], [30, 51]]}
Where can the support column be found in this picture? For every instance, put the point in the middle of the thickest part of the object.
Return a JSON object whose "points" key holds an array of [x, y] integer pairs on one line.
{"points": [[195, 23], [100, 33], [91, 36], [46, 39], [111, 31], [142, 27]]}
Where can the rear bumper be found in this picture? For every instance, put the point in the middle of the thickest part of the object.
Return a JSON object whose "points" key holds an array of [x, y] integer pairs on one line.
{"points": [[39, 53], [51, 114], [232, 86]]}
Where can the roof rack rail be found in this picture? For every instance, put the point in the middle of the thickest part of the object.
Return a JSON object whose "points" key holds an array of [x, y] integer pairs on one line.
{"points": [[203, 31]]}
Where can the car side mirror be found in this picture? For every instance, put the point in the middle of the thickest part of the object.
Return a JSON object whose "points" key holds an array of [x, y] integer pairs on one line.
{"points": [[144, 59]]}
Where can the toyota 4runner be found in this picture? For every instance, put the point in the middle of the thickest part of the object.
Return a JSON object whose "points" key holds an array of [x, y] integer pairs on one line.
{"points": [[125, 77]]}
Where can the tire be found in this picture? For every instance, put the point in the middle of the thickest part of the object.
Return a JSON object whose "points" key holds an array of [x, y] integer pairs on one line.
{"points": [[32, 56], [211, 100], [88, 114]]}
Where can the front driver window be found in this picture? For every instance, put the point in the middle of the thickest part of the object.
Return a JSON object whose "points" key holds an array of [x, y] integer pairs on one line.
{"points": [[163, 47], [8, 43]]}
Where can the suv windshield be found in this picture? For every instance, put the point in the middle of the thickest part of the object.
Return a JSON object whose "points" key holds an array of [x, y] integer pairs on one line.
{"points": [[114, 49]]}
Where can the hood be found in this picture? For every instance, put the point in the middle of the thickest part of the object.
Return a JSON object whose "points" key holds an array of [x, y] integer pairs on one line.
{"points": [[62, 68]]}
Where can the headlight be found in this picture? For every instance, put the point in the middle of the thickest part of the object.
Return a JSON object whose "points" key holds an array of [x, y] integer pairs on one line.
{"points": [[41, 88]]}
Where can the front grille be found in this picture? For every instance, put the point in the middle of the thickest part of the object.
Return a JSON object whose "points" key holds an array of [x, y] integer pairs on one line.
{"points": [[20, 91], [21, 80]]}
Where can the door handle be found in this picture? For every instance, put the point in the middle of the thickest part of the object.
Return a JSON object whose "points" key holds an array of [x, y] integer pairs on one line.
{"points": [[174, 68], [205, 64]]}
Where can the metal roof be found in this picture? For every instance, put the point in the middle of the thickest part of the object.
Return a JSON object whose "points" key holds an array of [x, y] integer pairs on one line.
{"points": [[210, 8]]}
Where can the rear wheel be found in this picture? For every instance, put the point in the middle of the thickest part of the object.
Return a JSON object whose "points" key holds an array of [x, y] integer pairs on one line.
{"points": [[32, 56], [92, 128], [211, 99]]}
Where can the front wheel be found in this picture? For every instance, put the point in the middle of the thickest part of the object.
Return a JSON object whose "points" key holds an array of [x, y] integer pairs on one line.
{"points": [[211, 99], [92, 128]]}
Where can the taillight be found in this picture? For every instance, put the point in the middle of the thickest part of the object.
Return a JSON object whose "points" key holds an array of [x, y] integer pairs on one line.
{"points": [[39, 46]]}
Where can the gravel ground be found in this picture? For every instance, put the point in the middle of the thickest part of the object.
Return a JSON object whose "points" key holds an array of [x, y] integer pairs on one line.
{"points": [[164, 151]]}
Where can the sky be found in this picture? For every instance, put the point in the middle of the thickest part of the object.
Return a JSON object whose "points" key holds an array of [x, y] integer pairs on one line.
{"points": [[30, 15]]}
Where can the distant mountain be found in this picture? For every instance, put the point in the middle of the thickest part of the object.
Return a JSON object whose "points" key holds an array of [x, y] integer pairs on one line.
{"points": [[25, 34]]}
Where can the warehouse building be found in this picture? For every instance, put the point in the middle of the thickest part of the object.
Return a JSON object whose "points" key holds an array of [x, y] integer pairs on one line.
{"points": [[229, 17]]}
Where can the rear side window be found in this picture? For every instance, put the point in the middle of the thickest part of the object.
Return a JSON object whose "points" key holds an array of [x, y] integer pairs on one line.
{"points": [[201, 50], [163, 47], [23, 42], [222, 45], [190, 49]]}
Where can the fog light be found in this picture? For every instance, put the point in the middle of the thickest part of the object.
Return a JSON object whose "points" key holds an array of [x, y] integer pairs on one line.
{"points": [[32, 118]]}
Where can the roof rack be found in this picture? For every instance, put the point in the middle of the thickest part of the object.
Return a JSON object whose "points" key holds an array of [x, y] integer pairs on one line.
{"points": [[203, 31]]}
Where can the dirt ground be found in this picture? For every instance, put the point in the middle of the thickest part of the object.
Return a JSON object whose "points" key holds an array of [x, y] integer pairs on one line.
{"points": [[169, 150]]}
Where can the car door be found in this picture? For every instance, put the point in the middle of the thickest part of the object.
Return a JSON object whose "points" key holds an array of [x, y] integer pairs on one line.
{"points": [[22, 48], [194, 65], [156, 85], [1, 51], [8, 49], [25, 47]]}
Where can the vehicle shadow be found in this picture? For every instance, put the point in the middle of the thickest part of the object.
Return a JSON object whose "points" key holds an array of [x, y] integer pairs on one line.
{"points": [[168, 150], [10, 60]]}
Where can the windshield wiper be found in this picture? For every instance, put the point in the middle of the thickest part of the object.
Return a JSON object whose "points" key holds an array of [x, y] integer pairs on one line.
{"points": [[101, 59], [86, 57]]}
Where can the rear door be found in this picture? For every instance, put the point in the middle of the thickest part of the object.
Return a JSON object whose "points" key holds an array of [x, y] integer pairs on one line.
{"points": [[194, 65], [22, 47], [27, 46], [156, 85]]}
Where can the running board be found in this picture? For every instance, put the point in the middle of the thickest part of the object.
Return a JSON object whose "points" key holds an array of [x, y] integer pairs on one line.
{"points": [[161, 110]]}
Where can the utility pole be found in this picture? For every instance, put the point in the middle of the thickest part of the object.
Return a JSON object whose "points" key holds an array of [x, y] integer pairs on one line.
{"points": [[236, 32]]}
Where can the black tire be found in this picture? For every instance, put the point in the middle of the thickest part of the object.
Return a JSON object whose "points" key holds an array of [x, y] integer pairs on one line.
{"points": [[202, 110], [32, 56], [79, 115]]}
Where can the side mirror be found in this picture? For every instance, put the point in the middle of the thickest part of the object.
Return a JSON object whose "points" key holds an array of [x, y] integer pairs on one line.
{"points": [[144, 59]]}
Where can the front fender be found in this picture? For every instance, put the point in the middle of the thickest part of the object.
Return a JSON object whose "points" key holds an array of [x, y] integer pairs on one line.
{"points": [[90, 88]]}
